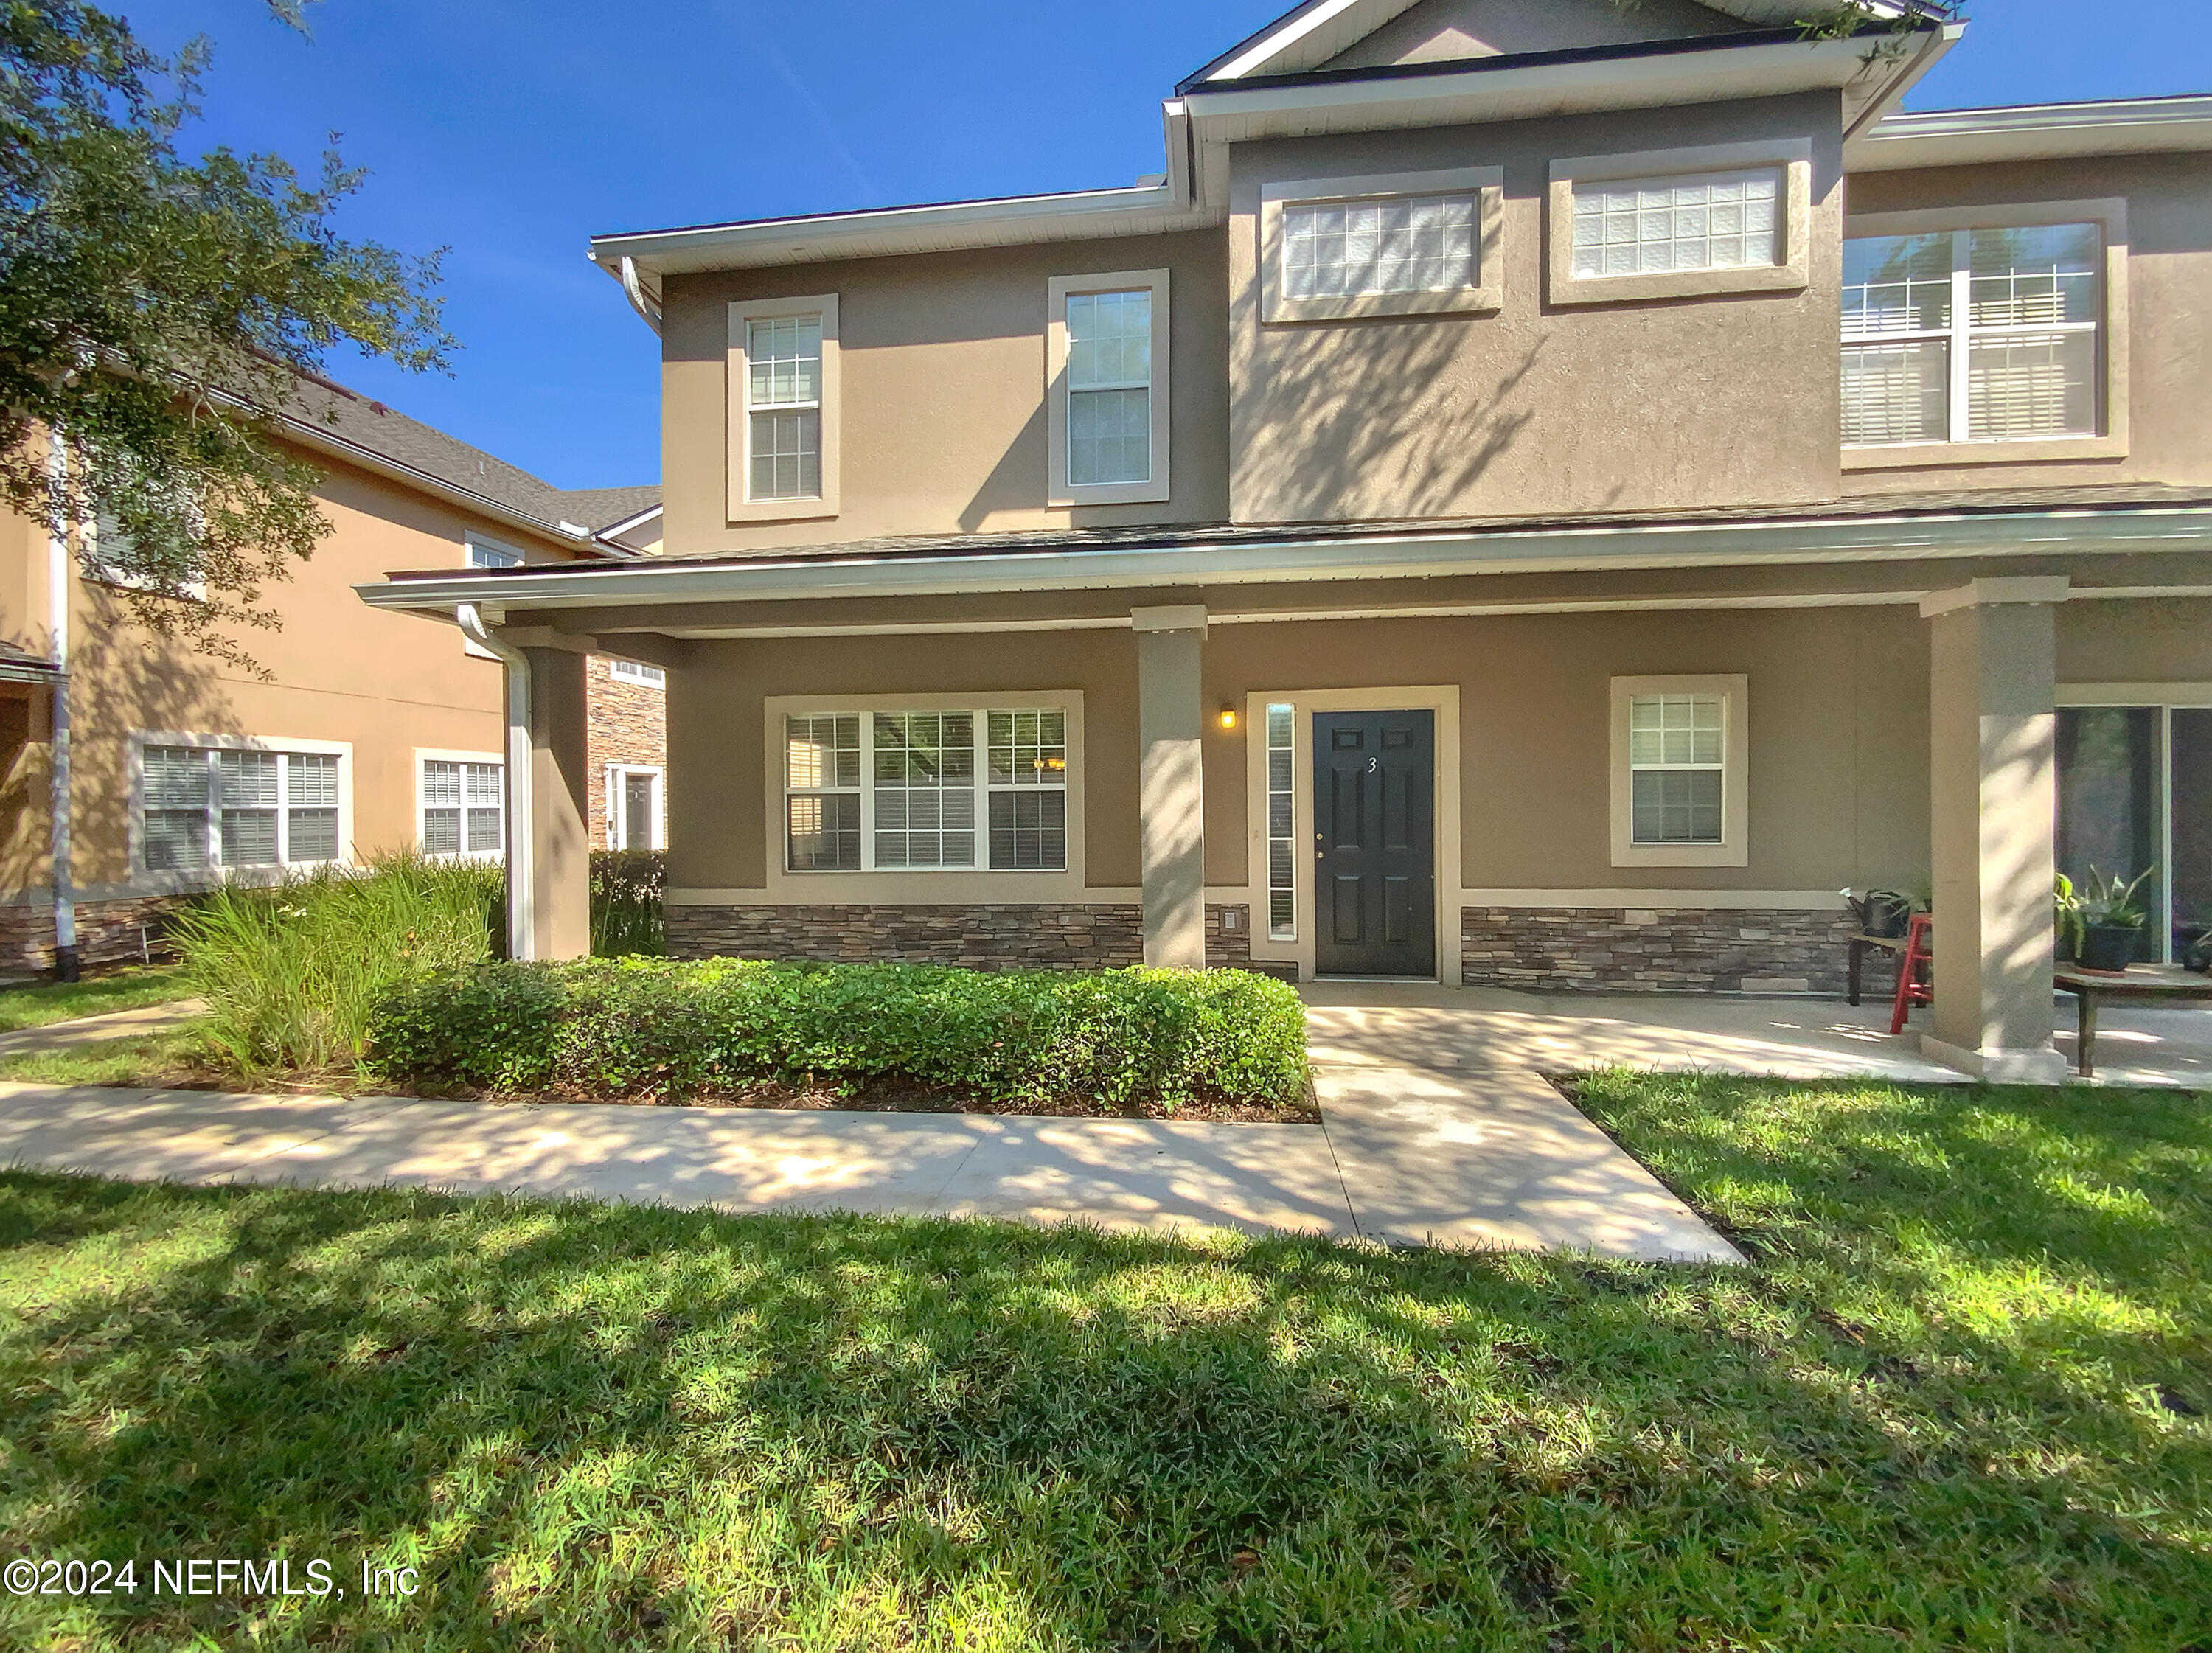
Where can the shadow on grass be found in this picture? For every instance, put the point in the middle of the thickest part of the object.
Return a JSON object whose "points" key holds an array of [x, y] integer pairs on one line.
{"points": [[602, 1427]]}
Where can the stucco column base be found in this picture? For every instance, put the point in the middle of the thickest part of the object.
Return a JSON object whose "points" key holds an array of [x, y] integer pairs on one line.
{"points": [[560, 797], [1171, 789], [1993, 797], [2044, 1067]]}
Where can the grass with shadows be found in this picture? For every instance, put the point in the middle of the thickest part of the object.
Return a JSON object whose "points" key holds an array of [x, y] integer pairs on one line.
{"points": [[64, 1001], [1957, 1402]]}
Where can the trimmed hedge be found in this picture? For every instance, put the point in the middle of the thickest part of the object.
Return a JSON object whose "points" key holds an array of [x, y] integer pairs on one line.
{"points": [[637, 1027]]}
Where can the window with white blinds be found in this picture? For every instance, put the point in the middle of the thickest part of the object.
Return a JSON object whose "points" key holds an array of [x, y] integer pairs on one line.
{"points": [[1973, 334], [1677, 764], [202, 807], [464, 807], [924, 791]]}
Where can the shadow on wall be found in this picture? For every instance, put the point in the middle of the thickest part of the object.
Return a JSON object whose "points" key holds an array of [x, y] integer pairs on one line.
{"points": [[1390, 422]]}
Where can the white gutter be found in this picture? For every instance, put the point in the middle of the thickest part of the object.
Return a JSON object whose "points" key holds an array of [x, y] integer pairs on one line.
{"points": [[59, 585], [1951, 138], [521, 863], [1413, 554]]}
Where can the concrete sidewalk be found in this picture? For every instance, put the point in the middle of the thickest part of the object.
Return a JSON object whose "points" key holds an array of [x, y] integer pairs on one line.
{"points": [[1405, 1157], [82, 1030]]}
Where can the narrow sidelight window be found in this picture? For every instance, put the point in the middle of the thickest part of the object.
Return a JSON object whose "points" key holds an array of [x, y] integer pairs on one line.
{"points": [[1282, 858]]}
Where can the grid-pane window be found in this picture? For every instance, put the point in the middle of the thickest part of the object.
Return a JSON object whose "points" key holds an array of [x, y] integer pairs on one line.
{"points": [[1282, 883], [652, 676], [481, 556], [925, 788], [1676, 746], [214, 807], [1027, 782], [1350, 249], [1647, 226], [783, 399], [463, 806], [1972, 335], [178, 787], [821, 800], [1110, 387]]}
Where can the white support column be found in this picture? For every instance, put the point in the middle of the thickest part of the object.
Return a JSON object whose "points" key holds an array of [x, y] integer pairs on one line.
{"points": [[1993, 792], [1171, 794]]}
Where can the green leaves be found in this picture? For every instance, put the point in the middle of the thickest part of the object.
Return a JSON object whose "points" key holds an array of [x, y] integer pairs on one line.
{"points": [[651, 1027], [161, 312]]}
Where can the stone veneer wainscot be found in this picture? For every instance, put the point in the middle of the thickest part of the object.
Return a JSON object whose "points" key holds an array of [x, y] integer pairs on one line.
{"points": [[1045, 935], [1672, 950]]}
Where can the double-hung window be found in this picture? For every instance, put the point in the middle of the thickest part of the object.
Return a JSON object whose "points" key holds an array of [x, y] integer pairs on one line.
{"points": [[205, 807], [463, 806], [1108, 371], [1681, 779], [1973, 334], [783, 409], [975, 788]]}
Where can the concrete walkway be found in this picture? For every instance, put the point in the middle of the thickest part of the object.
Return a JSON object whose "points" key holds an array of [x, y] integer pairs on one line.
{"points": [[82, 1030], [1405, 1157]]}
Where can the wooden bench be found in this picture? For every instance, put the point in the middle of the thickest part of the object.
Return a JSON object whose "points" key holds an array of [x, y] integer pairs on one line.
{"points": [[1859, 943], [2142, 982]]}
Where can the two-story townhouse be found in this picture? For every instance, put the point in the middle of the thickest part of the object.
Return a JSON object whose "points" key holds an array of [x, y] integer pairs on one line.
{"points": [[1543, 495], [353, 733]]}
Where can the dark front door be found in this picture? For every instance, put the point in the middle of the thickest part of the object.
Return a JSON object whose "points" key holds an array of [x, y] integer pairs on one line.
{"points": [[1374, 902]]}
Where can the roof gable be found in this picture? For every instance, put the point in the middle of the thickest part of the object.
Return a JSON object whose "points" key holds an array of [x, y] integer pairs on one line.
{"points": [[1440, 31]]}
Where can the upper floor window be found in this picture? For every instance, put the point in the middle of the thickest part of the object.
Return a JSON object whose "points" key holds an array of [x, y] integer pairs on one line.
{"points": [[483, 554], [1719, 221], [1973, 334], [783, 414], [202, 807], [1399, 244], [1681, 223], [1107, 370]]}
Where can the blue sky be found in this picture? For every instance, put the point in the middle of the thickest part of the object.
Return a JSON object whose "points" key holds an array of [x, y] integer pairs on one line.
{"points": [[508, 131]]}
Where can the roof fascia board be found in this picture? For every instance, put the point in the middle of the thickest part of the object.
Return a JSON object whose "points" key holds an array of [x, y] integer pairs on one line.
{"points": [[1414, 556], [1951, 138], [1518, 91], [309, 435], [1307, 38]]}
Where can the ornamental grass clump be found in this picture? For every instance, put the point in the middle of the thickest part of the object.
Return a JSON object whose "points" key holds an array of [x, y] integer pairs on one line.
{"points": [[291, 971], [653, 1027]]}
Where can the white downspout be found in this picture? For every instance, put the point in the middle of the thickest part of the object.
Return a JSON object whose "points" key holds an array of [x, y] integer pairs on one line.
{"points": [[640, 299], [521, 865], [58, 585]]}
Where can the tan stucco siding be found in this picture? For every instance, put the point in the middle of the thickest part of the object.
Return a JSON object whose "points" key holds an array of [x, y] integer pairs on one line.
{"points": [[2169, 306], [2165, 640], [1436, 31], [718, 768], [1720, 399], [336, 670], [942, 421]]}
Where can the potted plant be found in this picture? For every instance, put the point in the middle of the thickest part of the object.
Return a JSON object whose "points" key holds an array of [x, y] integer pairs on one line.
{"points": [[2101, 918]]}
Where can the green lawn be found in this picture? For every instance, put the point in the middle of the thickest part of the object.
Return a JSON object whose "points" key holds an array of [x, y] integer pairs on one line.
{"points": [[1959, 1401], [63, 1001]]}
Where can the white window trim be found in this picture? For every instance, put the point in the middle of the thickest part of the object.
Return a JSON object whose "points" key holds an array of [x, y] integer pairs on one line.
{"points": [[1058, 290], [620, 671], [891, 886], [2110, 441], [135, 762], [742, 507], [1487, 293], [617, 814], [1440, 699], [194, 591], [470, 541], [1734, 846], [1793, 155], [442, 755]]}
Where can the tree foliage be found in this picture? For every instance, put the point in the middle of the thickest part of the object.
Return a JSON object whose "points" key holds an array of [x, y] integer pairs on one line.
{"points": [[160, 311]]}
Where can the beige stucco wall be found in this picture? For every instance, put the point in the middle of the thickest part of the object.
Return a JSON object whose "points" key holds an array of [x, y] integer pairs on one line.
{"points": [[2169, 307], [336, 670], [1438, 30], [1721, 399], [943, 422]]}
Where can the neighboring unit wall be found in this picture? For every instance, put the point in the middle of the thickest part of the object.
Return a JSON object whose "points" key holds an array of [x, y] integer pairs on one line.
{"points": [[943, 415], [628, 724], [1720, 399], [2169, 309]]}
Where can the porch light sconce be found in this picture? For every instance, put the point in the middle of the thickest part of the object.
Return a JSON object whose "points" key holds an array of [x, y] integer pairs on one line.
{"points": [[1228, 715]]}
